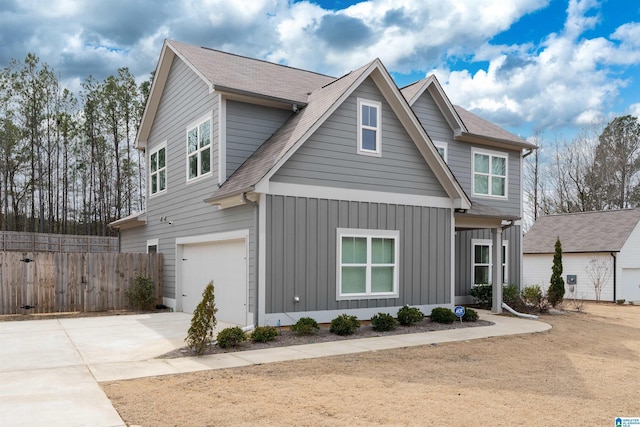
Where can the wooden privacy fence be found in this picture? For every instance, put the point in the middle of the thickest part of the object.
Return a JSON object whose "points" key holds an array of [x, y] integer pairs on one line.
{"points": [[62, 282]]}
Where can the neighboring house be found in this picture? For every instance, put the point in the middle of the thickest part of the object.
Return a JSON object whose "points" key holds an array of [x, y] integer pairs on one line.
{"points": [[301, 194], [601, 246]]}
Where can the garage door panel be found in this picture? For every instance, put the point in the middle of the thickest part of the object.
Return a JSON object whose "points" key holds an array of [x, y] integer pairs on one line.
{"points": [[225, 264]]}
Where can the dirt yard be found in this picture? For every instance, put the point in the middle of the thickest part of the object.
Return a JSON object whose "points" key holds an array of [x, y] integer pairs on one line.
{"points": [[585, 371]]}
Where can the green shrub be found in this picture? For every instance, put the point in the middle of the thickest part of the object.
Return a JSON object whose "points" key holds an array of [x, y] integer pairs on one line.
{"points": [[511, 296], [382, 322], [305, 326], [264, 333], [408, 316], [470, 315], [619, 301], [203, 322], [482, 294], [533, 298], [231, 337], [140, 293], [555, 293], [344, 325], [442, 315]]}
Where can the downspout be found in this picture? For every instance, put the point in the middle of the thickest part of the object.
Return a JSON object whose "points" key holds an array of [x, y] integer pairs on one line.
{"points": [[528, 153], [615, 259], [256, 225]]}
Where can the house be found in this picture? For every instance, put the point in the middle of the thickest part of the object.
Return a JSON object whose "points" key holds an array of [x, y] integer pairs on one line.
{"points": [[301, 194], [601, 247]]}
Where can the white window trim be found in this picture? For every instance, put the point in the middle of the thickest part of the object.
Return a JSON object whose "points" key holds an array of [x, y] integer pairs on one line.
{"points": [[192, 125], [378, 151], [166, 169], [369, 234], [489, 153], [489, 243], [443, 145], [153, 242]]}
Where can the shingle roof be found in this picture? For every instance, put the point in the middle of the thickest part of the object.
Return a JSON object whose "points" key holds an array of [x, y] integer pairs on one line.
{"points": [[601, 231], [480, 127], [226, 70]]}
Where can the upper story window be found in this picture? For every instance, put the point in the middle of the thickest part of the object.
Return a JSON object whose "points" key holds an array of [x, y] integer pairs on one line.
{"points": [[367, 264], [158, 170], [199, 149], [442, 149], [369, 113], [489, 173]]}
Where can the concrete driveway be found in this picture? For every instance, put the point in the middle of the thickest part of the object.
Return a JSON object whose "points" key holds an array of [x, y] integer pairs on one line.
{"points": [[48, 367]]}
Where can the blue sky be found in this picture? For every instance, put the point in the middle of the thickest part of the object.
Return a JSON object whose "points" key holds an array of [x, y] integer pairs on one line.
{"points": [[553, 66]]}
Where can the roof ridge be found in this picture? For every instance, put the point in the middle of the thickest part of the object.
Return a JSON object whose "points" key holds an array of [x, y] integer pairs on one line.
{"points": [[590, 212]]}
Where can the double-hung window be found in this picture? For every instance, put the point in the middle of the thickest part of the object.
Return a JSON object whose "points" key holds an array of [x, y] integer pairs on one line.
{"points": [[489, 173], [367, 263], [369, 113], [482, 261], [158, 170], [199, 149]]}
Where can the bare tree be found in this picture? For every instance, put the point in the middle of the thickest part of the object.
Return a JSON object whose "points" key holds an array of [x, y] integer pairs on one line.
{"points": [[599, 272]]}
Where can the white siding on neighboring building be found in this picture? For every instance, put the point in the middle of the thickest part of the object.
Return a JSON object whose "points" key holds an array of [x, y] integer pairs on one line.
{"points": [[537, 271], [629, 268]]}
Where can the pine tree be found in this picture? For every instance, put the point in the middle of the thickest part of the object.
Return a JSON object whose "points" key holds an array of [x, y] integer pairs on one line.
{"points": [[556, 288], [203, 322]]}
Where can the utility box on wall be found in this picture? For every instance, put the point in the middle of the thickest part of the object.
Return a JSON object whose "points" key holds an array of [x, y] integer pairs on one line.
{"points": [[572, 279]]}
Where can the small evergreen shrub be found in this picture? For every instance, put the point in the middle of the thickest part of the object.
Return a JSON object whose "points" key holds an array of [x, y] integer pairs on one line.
{"points": [[482, 294], [619, 301], [203, 322], [344, 325], [264, 334], [408, 316], [511, 296], [470, 315], [442, 315], [383, 322], [305, 326], [140, 293], [533, 298], [231, 337], [555, 293]]}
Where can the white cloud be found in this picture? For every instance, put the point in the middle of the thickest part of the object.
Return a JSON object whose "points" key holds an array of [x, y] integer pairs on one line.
{"points": [[634, 110]]}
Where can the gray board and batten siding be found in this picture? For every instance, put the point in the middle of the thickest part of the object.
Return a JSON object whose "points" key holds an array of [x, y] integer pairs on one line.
{"points": [[301, 250], [328, 158], [185, 99], [459, 157], [464, 254]]}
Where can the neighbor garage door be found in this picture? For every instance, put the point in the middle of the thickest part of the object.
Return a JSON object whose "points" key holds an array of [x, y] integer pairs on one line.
{"points": [[225, 264]]}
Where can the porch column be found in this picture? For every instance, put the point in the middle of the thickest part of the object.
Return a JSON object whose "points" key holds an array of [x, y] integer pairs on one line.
{"points": [[496, 270]]}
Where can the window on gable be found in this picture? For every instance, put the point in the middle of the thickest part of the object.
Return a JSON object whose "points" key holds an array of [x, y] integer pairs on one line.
{"points": [[369, 127], [482, 262], [367, 264], [442, 149], [489, 174], [158, 170], [199, 150]]}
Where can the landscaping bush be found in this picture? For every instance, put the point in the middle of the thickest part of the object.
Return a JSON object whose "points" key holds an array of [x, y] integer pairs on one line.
{"points": [[305, 326], [511, 296], [231, 337], [533, 298], [203, 322], [619, 301], [408, 316], [140, 293], [555, 293], [442, 315], [470, 315], [344, 325], [383, 322], [482, 294], [264, 334]]}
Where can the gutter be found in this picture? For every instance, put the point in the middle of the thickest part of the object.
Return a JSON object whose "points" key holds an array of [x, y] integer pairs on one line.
{"points": [[615, 259], [256, 229]]}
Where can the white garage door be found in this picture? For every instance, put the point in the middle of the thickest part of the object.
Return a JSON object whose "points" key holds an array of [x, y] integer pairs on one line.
{"points": [[629, 287], [225, 264]]}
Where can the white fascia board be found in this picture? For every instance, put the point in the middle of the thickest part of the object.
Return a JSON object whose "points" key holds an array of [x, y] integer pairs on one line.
{"points": [[335, 193]]}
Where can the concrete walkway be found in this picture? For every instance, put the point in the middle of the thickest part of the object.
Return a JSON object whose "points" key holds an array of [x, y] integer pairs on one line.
{"points": [[50, 369]]}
